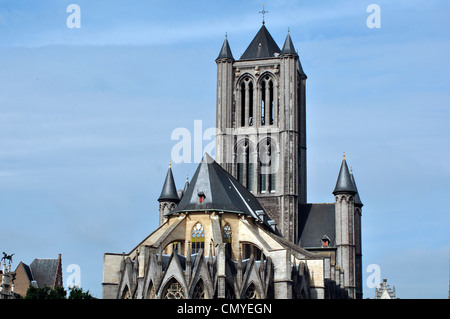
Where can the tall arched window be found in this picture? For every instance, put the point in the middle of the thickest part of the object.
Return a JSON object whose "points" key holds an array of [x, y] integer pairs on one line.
{"points": [[267, 101], [243, 90], [244, 164], [173, 290], [198, 238], [227, 239], [263, 103], [246, 102], [250, 104], [267, 166]]}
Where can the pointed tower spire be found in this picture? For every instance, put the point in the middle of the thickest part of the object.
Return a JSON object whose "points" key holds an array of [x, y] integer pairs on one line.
{"points": [[288, 47], [289, 51], [186, 185], [225, 52], [344, 182], [169, 191]]}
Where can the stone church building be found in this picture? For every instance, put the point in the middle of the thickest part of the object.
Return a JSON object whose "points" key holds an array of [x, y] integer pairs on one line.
{"points": [[242, 227]]}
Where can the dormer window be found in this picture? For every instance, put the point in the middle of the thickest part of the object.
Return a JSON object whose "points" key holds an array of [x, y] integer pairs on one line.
{"points": [[201, 196], [325, 241]]}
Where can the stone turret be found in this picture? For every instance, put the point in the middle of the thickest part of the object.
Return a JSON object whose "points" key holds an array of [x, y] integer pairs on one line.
{"points": [[169, 197], [344, 194]]}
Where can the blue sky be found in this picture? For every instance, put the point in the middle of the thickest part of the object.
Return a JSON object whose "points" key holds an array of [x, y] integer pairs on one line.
{"points": [[86, 117]]}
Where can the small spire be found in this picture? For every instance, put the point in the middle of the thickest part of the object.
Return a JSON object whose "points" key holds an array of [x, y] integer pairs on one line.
{"points": [[225, 51], [344, 182], [288, 47], [186, 185], [170, 164], [169, 190], [344, 156]]}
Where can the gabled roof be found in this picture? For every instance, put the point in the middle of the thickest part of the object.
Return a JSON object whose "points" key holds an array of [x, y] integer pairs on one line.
{"points": [[26, 270], [169, 191], [220, 192], [262, 46], [344, 182], [225, 52], [44, 271]]}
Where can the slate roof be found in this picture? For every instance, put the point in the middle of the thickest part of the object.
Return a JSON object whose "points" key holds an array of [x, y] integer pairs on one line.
{"points": [[169, 191], [221, 192], [262, 46], [288, 47], [344, 182], [225, 52], [44, 271], [315, 221]]}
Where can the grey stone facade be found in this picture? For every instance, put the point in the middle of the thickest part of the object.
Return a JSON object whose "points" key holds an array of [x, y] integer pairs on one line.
{"points": [[261, 125], [242, 228]]}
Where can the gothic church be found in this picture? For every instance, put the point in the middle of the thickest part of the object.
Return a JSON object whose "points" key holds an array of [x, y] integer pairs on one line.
{"points": [[242, 227]]}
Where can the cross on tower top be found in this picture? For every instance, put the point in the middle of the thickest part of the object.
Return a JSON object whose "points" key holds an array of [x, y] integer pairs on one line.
{"points": [[263, 12]]}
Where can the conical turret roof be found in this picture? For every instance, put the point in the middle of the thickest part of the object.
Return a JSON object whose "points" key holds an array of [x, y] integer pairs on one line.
{"points": [[169, 191], [344, 182], [288, 47], [225, 52]]}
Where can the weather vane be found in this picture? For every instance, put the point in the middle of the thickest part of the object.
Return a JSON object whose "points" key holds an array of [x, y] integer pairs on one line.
{"points": [[263, 12]]}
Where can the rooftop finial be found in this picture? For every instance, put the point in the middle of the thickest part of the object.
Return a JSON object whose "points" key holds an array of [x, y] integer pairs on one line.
{"points": [[170, 164], [263, 12], [344, 156]]}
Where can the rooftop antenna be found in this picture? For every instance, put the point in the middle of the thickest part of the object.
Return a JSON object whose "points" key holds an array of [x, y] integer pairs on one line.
{"points": [[263, 12]]}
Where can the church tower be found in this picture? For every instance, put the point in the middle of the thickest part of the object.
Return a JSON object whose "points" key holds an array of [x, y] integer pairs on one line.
{"points": [[261, 126]]}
